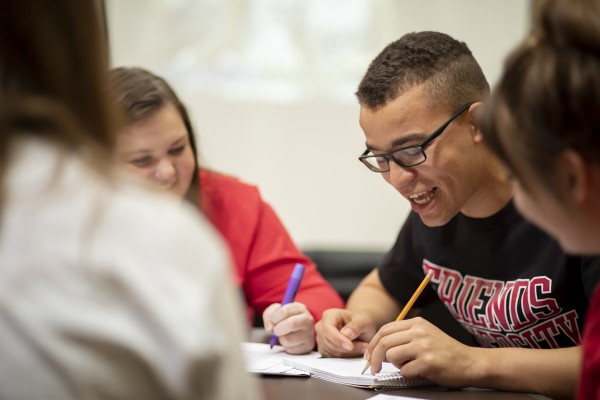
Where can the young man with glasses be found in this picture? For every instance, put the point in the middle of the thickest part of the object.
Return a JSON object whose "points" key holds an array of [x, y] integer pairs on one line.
{"points": [[506, 282]]}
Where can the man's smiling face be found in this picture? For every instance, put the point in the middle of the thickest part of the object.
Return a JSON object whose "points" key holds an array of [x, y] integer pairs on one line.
{"points": [[448, 181]]}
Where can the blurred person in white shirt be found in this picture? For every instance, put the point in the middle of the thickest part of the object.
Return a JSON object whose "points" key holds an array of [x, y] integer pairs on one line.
{"points": [[107, 291]]}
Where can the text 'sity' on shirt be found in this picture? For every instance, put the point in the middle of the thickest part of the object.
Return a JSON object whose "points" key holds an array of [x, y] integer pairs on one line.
{"points": [[519, 313]]}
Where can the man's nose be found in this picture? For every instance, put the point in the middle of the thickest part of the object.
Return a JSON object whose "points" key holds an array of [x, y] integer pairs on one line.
{"points": [[399, 176]]}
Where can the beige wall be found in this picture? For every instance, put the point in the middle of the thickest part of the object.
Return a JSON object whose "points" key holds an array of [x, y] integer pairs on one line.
{"points": [[302, 152]]}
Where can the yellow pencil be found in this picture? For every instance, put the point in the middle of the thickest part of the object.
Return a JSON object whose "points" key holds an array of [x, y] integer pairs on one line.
{"points": [[407, 307]]}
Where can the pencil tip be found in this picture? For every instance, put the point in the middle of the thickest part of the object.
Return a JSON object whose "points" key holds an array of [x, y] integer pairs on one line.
{"points": [[366, 367]]}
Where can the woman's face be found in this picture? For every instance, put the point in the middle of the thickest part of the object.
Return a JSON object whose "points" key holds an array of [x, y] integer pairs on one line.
{"points": [[539, 207], [557, 218], [157, 149]]}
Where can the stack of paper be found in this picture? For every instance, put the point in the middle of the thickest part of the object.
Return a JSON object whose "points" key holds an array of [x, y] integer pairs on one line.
{"points": [[261, 359]]}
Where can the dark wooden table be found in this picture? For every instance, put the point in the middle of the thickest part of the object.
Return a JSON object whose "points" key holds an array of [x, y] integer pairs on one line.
{"points": [[296, 388], [304, 388]]}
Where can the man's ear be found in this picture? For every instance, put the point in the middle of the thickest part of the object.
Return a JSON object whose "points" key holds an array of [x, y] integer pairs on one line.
{"points": [[474, 113], [577, 175]]}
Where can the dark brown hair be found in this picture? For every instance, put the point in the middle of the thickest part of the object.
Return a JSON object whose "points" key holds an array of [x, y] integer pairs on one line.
{"points": [[445, 66], [140, 94], [53, 83], [548, 97]]}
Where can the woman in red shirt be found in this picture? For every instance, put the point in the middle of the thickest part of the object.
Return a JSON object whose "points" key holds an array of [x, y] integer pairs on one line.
{"points": [[158, 145], [543, 120]]}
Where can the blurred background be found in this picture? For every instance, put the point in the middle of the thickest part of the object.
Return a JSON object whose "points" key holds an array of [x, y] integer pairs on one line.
{"points": [[270, 88]]}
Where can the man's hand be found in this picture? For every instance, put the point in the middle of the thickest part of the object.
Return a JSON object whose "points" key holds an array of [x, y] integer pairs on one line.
{"points": [[343, 333], [420, 349]]}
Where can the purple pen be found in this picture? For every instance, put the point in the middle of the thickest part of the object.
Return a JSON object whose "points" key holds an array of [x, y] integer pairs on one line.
{"points": [[290, 292]]}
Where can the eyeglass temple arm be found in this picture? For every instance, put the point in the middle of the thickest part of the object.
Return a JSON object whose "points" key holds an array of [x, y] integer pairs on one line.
{"points": [[443, 127]]}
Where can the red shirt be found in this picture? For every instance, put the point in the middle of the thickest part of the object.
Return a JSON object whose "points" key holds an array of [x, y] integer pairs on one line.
{"points": [[263, 252], [589, 384]]}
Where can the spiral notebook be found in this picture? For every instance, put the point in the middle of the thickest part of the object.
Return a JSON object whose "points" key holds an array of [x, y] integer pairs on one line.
{"points": [[347, 371]]}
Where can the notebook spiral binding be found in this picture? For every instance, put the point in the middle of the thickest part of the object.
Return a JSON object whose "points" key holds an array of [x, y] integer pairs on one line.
{"points": [[396, 380]]}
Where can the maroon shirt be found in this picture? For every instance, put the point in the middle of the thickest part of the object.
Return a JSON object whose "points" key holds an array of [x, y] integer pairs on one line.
{"points": [[589, 385]]}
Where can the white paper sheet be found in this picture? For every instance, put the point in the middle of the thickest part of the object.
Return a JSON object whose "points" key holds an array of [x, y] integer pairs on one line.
{"points": [[261, 359]]}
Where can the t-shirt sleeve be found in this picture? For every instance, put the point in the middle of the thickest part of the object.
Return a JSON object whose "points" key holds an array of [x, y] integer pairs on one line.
{"points": [[401, 270]]}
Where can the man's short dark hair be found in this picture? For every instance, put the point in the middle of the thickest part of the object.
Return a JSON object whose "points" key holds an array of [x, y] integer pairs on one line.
{"points": [[445, 66]]}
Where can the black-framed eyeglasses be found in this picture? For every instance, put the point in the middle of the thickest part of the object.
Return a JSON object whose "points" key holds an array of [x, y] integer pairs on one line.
{"points": [[408, 156]]}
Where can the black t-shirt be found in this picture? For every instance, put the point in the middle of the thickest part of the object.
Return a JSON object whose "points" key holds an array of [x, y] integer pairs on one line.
{"points": [[504, 280]]}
